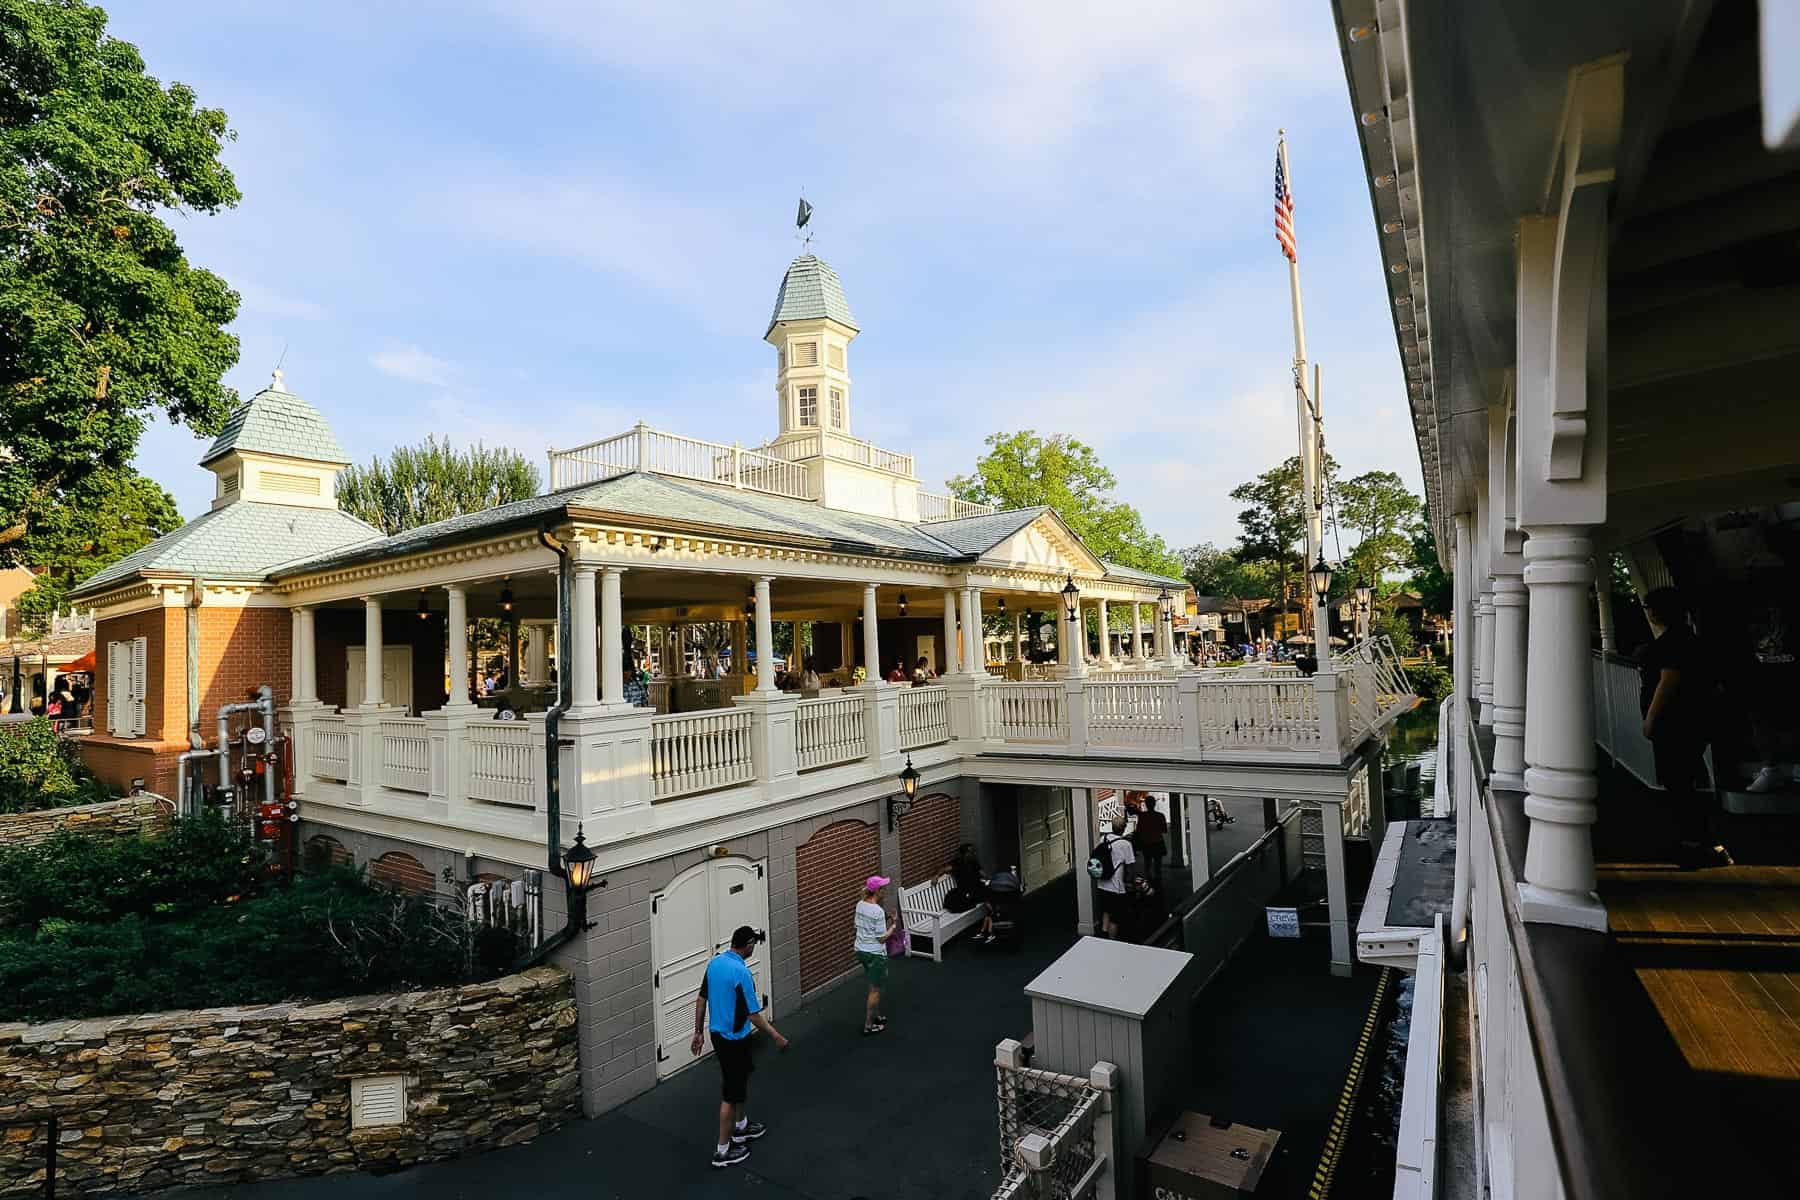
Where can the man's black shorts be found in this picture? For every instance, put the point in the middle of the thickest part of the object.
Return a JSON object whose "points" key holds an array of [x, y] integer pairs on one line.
{"points": [[734, 1066], [1112, 904]]}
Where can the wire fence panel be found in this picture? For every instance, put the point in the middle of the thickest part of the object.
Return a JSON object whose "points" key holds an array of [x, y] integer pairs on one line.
{"points": [[1061, 1109]]}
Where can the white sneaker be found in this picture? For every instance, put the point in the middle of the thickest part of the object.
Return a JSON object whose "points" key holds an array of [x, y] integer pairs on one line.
{"points": [[1766, 781]]}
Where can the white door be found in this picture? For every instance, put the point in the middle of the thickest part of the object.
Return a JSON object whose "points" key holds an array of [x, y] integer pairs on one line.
{"points": [[396, 676], [1045, 847], [690, 921]]}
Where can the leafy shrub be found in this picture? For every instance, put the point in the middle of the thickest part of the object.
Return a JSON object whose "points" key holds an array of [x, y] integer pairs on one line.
{"points": [[182, 920], [1429, 681], [40, 770]]}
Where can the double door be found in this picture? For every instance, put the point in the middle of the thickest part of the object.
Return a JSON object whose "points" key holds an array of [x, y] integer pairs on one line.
{"points": [[690, 921], [1046, 849]]}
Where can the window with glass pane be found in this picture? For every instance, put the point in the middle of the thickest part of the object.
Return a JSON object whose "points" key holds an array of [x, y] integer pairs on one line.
{"points": [[837, 409], [809, 406]]}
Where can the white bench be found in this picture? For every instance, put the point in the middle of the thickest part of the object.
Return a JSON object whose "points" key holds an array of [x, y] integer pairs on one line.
{"points": [[922, 908]]}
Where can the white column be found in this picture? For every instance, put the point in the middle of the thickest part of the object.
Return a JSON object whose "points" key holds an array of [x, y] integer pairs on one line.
{"points": [[1018, 637], [871, 638], [1199, 848], [308, 686], [1609, 641], [952, 637], [295, 646], [1106, 655], [1082, 818], [372, 692], [1484, 651], [1337, 894], [1561, 784], [765, 637], [584, 691], [456, 635], [612, 638], [974, 648], [1508, 711], [1137, 632]]}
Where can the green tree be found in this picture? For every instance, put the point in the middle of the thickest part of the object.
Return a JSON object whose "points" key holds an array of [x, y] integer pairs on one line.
{"points": [[434, 481], [1385, 516], [1216, 572], [103, 322], [1428, 577], [1273, 521], [1023, 470], [105, 516]]}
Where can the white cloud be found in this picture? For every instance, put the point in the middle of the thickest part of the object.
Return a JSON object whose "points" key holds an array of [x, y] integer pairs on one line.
{"points": [[413, 365], [268, 302]]}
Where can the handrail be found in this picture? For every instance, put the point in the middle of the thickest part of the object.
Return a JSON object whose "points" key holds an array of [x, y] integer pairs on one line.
{"points": [[1178, 914], [933, 507], [642, 448]]}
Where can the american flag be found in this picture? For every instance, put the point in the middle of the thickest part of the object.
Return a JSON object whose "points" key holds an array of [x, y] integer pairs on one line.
{"points": [[1284, 213]]}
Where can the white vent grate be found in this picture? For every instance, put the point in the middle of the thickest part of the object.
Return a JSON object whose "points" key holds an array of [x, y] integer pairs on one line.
{"points": [[377, 1100], [228, 484], [806, 354], [293, 485]]}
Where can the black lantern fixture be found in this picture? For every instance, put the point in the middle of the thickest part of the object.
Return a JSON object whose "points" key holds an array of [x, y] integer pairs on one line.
{"points": [[424, 606], [506, 599], [903, 604], [1165, 604], [1001, 604], [578, 875], [1321, 579], [898, 806], [1071, 599], [1363, 594]]}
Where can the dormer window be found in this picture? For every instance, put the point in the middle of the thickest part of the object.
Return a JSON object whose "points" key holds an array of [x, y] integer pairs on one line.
{"points": [[806, 354], [837, 408], [809, 406]]}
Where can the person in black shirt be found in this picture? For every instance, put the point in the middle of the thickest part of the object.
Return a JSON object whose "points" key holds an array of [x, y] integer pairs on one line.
{"points": [[1671, 695]]}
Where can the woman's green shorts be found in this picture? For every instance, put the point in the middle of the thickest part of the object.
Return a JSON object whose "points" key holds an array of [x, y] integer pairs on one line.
{"points": [[874, 967]]}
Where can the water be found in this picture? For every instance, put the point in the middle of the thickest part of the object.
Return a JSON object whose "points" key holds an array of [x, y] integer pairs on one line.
{"points": [[1414, 743]]}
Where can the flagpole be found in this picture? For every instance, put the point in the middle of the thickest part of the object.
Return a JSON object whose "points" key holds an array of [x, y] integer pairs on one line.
{"points": [[1309, 466]]}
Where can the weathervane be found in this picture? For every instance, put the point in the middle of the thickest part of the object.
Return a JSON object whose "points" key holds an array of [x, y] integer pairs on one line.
{"points": [[802, 223]]}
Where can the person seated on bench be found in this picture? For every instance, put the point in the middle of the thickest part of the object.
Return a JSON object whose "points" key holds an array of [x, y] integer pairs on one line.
{"points": [[968, 889]]}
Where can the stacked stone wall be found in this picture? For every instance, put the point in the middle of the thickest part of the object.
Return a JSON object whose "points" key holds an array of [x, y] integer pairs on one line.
{"points": [[110, 818], [236, 1094]]}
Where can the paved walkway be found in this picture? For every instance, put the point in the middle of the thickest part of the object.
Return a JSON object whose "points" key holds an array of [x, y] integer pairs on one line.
{"points": [[908, 1115]]}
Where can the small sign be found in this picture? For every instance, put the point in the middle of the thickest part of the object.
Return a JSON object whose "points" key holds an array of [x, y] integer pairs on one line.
{"points": [[1283, 922]]}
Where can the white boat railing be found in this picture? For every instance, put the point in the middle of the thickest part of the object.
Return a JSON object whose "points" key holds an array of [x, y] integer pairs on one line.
{"points": [[1133, 713], [405, 754], [503, 759], [1024, 712], [1260, 714], [654, 451], [829, 731], [842, 447], [933, 507], [699, 752], [924, 717]]}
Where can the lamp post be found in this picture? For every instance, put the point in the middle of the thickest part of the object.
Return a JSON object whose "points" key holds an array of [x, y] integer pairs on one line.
{"points": [[898, 806], [1321, 586], [578, 876], [1075, 659], [1364, 594]]}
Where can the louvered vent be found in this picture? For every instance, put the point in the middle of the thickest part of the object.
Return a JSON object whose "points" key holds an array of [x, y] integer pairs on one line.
{"points": [[228, 484], [377, 1100], [291, 484], [806, 354]]}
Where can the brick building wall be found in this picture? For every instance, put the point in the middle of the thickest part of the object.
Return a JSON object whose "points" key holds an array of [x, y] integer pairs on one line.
{"points": [[401, 871], [164, 631], [830, 868], [929, 835], [241, 649]]}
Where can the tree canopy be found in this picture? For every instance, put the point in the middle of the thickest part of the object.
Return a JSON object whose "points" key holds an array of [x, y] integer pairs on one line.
{"points": [[1216, 572], [434, 481], [103, 322], [1024, 470], [1385, 517], [106, 516]]}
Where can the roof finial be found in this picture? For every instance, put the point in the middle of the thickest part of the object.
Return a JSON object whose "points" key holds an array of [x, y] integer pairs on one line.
{"points": [[275, 384], [802, 222]]}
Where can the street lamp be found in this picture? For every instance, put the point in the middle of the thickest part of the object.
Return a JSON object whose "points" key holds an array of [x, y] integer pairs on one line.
{"points": [[578, 875], [1071, 600], [1165, 603], [1363, 593], [898, 806], [1321, 579]]}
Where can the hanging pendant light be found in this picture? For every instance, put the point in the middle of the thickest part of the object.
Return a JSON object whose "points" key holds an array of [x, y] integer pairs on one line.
{"points": [[506, 599], [424, 606], [903, 604]]}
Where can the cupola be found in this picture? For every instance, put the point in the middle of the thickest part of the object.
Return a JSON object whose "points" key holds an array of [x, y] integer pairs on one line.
{"points": [[276, 449]]}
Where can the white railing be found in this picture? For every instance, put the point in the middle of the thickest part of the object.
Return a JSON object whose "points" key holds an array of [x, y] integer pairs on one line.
{"points": [[1618, 726], [1260, 714], [1375, 685], [1134, 675], [1416, 1141], [843, 447], [405, 754], [1024, 712], [502, 763], [830, 730], [924, 717], [1133, 714], [698, 752], [933, 507], [73, 621], [645, 449], [332, 753]]}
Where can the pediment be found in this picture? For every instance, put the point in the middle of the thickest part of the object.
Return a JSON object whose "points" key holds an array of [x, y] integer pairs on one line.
{"points": [[1047, 544]]}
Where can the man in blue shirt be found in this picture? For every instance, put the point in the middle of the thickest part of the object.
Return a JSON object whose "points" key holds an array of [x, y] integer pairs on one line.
{"points": [[729, 992]]}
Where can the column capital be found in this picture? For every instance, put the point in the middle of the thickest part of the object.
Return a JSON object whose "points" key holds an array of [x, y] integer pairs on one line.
{"points": [[612, 568]]}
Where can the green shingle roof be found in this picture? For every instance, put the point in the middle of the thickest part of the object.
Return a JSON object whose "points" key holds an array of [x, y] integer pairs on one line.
{"points": [[275, 421], [810, 290], [1133, 575], [978, 535], [243, 540]]}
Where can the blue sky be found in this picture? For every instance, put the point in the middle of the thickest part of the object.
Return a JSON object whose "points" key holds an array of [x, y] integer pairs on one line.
{"points": [[534, 222]]}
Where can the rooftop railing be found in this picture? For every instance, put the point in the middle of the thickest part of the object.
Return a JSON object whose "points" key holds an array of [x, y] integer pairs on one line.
{"points": [[933, 507], [843, 447], [642, 448]]}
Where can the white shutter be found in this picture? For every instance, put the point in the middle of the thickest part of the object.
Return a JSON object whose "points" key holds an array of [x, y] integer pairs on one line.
{"points": [[377, 1100], [115, 690], [140, 683]]}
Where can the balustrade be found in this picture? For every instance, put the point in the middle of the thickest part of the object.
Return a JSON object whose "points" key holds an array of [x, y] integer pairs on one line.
{"points": [[502, 758], [829, 731], [1025, 712], [924, 717], [405, 754], [333, 749], [1260, 714], [698, 752], [1133, 714]]}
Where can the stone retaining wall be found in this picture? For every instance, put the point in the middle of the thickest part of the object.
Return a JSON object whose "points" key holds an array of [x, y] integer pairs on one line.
{"points": [[109, 818], [234, 1094]]}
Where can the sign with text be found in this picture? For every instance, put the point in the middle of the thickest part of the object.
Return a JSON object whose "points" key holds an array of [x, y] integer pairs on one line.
{"points": [[1283, 922]]}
